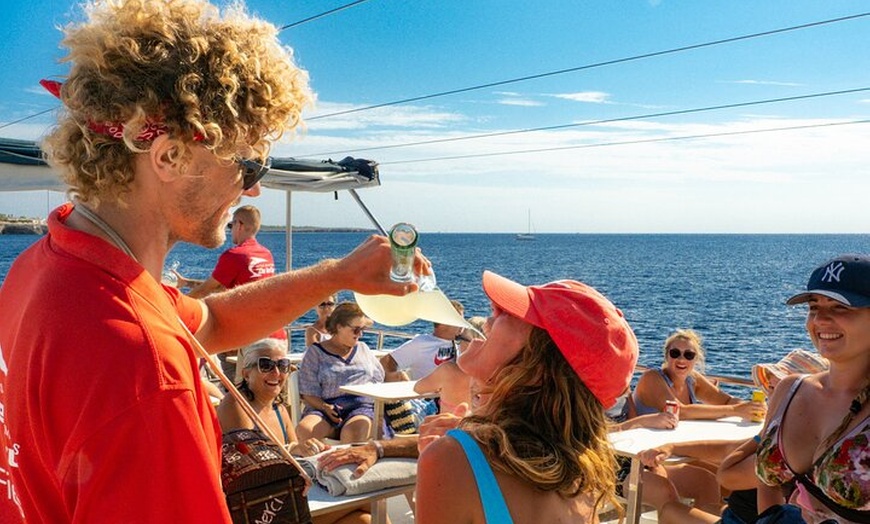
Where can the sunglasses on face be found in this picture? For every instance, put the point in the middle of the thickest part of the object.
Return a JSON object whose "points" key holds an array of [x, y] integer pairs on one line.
{"points": [[462, 337], [676, 353], [357, 329], [253, 171], [266, 365], [326, 304]]}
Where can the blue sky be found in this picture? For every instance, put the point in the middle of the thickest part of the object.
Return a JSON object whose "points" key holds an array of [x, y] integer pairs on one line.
{"points": [[810, 180]]}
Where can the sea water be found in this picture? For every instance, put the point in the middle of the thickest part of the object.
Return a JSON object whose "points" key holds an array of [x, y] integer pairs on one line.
{"points": [[730, 288]]}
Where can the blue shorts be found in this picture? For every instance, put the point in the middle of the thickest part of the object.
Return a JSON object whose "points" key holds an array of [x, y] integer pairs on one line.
{"points": [[348, 406]]}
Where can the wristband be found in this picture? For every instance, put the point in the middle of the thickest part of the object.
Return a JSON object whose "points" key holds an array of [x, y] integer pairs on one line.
{"points": [[379, 448]]}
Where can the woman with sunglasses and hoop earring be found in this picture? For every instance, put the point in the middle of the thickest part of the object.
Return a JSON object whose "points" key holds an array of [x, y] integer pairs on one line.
{"points": [[264, 375], [341, 360], [681, 380], [317, 332]]}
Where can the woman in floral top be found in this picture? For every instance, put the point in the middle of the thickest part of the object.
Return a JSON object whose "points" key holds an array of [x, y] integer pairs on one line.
{"points": [[818, 426]]}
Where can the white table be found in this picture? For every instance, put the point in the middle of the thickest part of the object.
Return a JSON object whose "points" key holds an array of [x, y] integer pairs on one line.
{"points": [[382, 393], [631, 442], [320, 502]]}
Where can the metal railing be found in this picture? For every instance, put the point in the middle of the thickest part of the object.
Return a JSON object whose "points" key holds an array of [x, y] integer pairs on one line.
{"points": [[383, 334]]}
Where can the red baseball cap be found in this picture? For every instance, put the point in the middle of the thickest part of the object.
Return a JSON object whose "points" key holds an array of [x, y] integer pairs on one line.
{"points": [[588, 329]]}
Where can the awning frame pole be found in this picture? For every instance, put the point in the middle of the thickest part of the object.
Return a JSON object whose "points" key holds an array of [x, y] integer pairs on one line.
{"points": [[367, 212], [288, 233]]}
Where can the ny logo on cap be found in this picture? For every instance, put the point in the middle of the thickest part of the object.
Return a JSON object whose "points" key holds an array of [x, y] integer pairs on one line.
{"points": [[832, 272]]}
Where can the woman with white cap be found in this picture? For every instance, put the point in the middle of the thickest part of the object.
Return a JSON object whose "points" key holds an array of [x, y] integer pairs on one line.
{"points": [[818, 426], [536, 450]]}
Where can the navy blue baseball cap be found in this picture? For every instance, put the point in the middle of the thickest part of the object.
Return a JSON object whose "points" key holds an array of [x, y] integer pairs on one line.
{"points": [[845, 279]]}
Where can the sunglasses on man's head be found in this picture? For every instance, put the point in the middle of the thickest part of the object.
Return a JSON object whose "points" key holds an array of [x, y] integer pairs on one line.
{"points": [[266, 365], [676, 353], [326, 304], [253, 171]]}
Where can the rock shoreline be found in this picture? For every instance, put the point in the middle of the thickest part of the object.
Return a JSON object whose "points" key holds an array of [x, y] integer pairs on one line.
{"points": [[17, 228], [35, 228]]}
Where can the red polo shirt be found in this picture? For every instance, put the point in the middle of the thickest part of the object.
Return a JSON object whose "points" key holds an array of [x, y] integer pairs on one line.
{"points": [[104, 417]]}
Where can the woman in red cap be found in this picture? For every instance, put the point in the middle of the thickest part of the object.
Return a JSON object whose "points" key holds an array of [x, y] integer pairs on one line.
{"points": [[536, 450]]}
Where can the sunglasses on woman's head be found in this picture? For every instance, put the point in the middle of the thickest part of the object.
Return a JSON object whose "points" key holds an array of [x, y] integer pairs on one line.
{"points": [[676, 353], [266, 365], [326, 304], [253, 171]]}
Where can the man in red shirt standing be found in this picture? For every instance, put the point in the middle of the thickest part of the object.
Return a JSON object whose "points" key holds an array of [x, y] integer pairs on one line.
{"points": [[246, 261], [170, 109]]}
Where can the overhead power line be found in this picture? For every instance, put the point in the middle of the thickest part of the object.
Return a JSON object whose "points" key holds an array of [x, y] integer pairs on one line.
{"points": [[595, 65], [288, 26], [321, 15], [535, 76], [28, 117], [592, 122], [626, 142]]}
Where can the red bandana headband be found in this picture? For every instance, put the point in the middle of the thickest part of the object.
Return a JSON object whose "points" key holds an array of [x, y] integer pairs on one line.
{"points": [[151, 130]]}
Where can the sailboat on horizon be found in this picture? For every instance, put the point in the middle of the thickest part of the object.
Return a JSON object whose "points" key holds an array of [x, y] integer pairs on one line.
{"points": [[528, 235]]}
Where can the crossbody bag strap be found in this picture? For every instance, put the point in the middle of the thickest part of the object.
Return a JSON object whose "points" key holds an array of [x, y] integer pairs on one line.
{"points": [[243, 402], [853, 515]]}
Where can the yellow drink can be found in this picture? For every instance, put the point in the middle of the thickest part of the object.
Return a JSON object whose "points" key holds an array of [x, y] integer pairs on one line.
{"points": [[760, 397]]}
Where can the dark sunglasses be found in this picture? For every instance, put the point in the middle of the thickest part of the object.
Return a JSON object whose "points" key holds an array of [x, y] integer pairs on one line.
{"points": [[357, 330], [253, 171], [326, 304], [266, 365], [676, 353]]}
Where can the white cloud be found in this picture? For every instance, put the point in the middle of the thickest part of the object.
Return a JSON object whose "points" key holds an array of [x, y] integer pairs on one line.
{"points": [[403, 116], [592, 97], [524, 102], [512, 98], [739, 183]]}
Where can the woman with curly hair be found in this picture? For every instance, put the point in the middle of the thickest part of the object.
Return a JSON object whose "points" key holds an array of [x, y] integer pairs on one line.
{"points": [[536, 449], [170, 108]]}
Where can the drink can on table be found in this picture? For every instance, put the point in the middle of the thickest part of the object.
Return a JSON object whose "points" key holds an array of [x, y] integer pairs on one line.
{"points": [[758, 396], [672, 406]]}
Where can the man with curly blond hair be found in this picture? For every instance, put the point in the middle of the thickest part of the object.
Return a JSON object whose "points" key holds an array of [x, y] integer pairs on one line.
{"points": [[170, 108]]}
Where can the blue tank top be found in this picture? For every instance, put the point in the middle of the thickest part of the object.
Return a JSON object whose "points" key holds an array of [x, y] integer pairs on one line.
{"points": [[643, 409], [280, 421], [495, 508]]}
